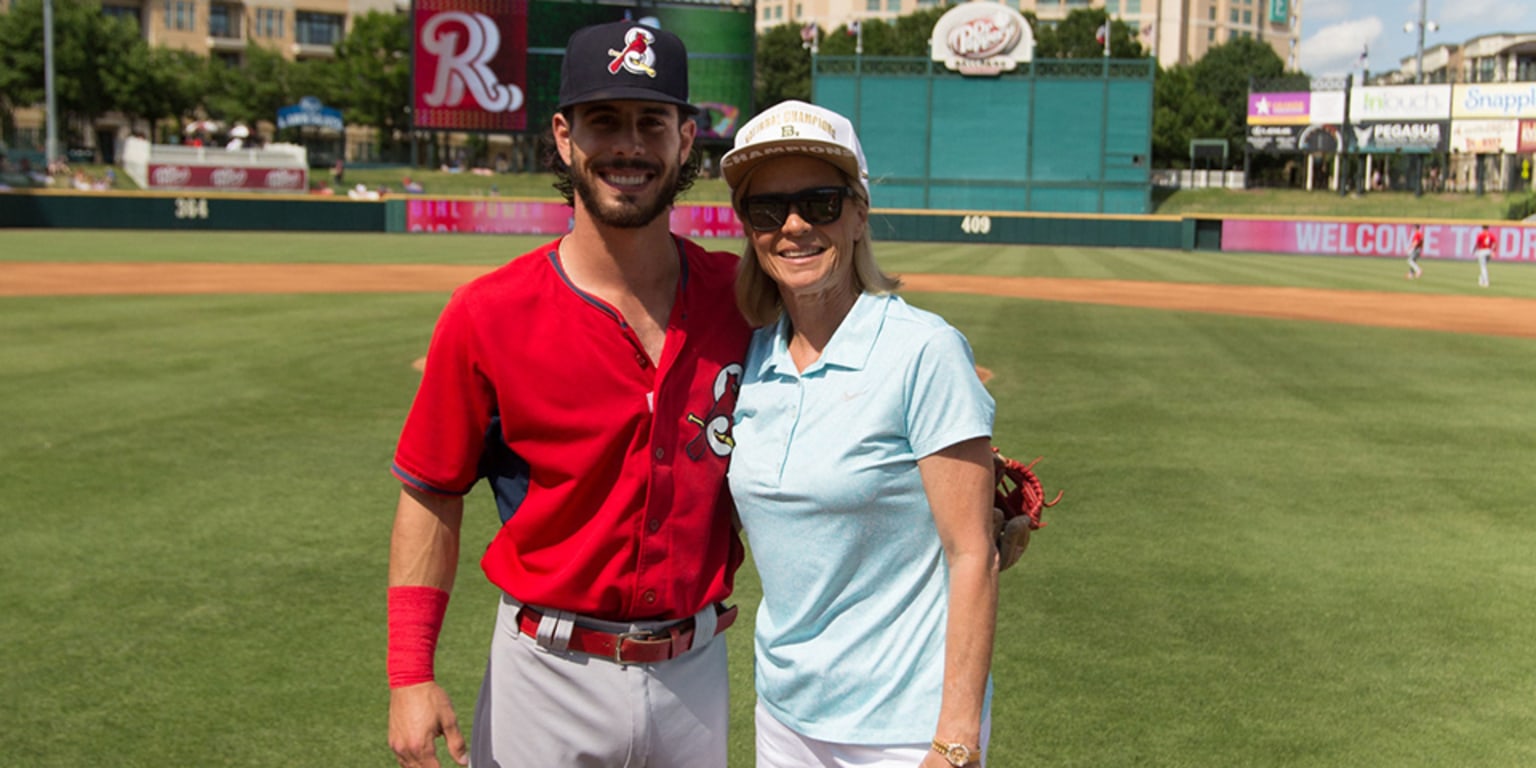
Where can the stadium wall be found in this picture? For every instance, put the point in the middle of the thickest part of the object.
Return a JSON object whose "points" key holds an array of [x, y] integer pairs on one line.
{"points": [[1320, 236], [98, 210]]}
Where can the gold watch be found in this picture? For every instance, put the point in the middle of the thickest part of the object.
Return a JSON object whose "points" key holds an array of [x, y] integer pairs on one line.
{"points": [[958, 755]]}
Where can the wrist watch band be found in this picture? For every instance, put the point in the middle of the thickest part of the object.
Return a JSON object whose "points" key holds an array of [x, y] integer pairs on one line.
{"points": [[958, 755]]}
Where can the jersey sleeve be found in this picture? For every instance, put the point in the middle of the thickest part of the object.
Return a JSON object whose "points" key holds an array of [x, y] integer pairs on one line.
{"points": [[444, 433], [947, 403]]}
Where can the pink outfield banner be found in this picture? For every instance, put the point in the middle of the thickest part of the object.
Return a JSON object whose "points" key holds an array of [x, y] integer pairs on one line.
{"points": [[170, 176], [1367, 238], [533, 218]]}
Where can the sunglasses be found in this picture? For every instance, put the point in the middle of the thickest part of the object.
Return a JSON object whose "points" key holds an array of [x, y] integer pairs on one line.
{"points": [[819, 205]]}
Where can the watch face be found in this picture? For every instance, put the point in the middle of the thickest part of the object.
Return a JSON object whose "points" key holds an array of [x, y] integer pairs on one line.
{"points": [[958, 755]]}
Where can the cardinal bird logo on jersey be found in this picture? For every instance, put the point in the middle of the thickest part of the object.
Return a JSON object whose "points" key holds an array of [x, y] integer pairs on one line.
{"points": [[715, 426]]}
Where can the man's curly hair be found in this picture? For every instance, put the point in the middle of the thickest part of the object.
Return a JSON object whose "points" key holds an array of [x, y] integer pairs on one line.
{"points": [[550, 155]]}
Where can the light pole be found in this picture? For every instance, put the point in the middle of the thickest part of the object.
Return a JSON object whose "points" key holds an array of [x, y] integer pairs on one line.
{"points": [[1422, 25], [51, 147]]}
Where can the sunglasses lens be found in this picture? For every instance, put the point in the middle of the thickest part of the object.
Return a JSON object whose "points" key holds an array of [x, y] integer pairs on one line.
{"points": [[823, 205], [765, 215]]}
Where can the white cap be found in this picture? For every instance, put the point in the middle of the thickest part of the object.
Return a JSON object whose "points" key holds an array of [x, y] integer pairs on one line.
{"points": [[796, 128]]}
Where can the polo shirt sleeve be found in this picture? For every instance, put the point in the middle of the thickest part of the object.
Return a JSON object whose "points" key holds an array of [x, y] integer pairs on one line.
{"points": [[946, 403], [444, 433]]}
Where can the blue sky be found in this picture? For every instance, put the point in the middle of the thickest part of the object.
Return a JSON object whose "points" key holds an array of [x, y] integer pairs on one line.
{"points": [[1333, 32]]}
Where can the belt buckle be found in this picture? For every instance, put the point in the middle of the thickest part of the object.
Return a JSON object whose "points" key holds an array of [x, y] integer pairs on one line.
{"points": [[636, 635]]}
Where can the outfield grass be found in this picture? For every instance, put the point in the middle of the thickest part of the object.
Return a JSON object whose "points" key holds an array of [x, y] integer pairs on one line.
{"points": [[1283, 543]]}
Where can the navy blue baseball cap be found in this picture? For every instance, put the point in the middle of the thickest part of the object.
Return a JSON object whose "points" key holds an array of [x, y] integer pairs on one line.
{"points": [[624, 60]]}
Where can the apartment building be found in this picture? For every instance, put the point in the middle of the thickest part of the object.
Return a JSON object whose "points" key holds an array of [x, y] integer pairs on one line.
{"points": [[225, 29], [1501, 57], [1176, 31], [220, 29]]}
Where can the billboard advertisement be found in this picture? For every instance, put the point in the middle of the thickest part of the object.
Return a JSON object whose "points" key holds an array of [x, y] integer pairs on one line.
{"points": [[169, 176], [1527, 139], [1406, 137], [1494, 100], [1296, 108], [1369, 238], [1485, 137], [1282, 139], [1400, 102], [469, 64], [494, 65], [1292, 108]]}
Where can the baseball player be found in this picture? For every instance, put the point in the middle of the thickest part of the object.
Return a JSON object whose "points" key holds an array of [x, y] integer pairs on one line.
{"points": [[591, 381], [1415, 250], [1483, 250]]}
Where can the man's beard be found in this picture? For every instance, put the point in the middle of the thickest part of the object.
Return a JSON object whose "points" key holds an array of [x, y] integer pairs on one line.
{"points": [[626, 212]]}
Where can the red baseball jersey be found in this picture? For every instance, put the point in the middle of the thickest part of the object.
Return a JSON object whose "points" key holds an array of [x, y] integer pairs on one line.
{"points": [[608, 468], [1485, 240]]}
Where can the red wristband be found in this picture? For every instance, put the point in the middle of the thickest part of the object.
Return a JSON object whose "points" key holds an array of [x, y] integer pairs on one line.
{"points": [[415, 619]]}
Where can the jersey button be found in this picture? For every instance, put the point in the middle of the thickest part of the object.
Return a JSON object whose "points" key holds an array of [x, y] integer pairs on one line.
{"points": [[649, 597], [661, 453], [653, 526]]}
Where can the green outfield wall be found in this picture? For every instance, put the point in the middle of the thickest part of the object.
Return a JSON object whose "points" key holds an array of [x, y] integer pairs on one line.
{"points": [[126, 210], [160, 210], [1035, 228], [1060, 136]]}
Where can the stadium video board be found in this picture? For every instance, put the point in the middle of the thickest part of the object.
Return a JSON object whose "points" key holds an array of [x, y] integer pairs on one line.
{"points": [[494, 65]]}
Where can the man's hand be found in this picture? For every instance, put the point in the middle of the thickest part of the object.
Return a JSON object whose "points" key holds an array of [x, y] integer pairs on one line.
{"points": [[418, 714]]}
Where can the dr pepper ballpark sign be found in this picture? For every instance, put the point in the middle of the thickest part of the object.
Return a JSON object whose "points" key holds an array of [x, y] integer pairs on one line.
{"points": [[981, 38], [471, 69]]}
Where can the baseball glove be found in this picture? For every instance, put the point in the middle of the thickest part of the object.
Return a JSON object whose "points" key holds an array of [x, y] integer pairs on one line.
{"points": [[1017, 506]]}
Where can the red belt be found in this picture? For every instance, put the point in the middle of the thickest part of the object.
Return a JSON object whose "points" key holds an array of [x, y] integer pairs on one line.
{"points": [[646, 646]]}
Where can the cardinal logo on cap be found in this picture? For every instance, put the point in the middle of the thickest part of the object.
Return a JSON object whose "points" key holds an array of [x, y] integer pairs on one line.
{"points": [[637, 57]]}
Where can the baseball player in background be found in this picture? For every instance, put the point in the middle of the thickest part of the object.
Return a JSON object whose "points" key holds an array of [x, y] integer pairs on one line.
{"points": [[1483, 250], [592, 382], [1415, 250]]}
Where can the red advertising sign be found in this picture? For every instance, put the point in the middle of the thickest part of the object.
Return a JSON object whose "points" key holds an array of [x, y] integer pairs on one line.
{"points": [[471, 64], [1527, 142], [183, 176]]}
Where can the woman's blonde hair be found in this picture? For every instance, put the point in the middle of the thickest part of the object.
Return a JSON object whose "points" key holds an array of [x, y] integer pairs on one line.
{"points": [[758, 296]]}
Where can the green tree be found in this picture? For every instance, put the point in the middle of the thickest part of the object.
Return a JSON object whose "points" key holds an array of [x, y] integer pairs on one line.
{"points": [[1076, 37], [158, 83], [87, 47], [783, 66], [262, 84], [371, 76], [1224, 74], [1181, 112]]}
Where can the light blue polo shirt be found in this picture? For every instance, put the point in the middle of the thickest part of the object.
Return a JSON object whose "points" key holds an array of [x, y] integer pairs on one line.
{"points": [[850, 632]]}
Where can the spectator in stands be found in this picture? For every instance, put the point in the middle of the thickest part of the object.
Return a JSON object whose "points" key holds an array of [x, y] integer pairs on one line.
{"points": [[413, 187], [338, 171]]}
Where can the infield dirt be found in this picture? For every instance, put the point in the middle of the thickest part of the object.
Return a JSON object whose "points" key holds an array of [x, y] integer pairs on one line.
{"points": [[1497, 316]]}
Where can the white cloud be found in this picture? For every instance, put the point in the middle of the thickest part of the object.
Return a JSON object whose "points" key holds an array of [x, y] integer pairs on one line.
{"points": [[1335, 49]]}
